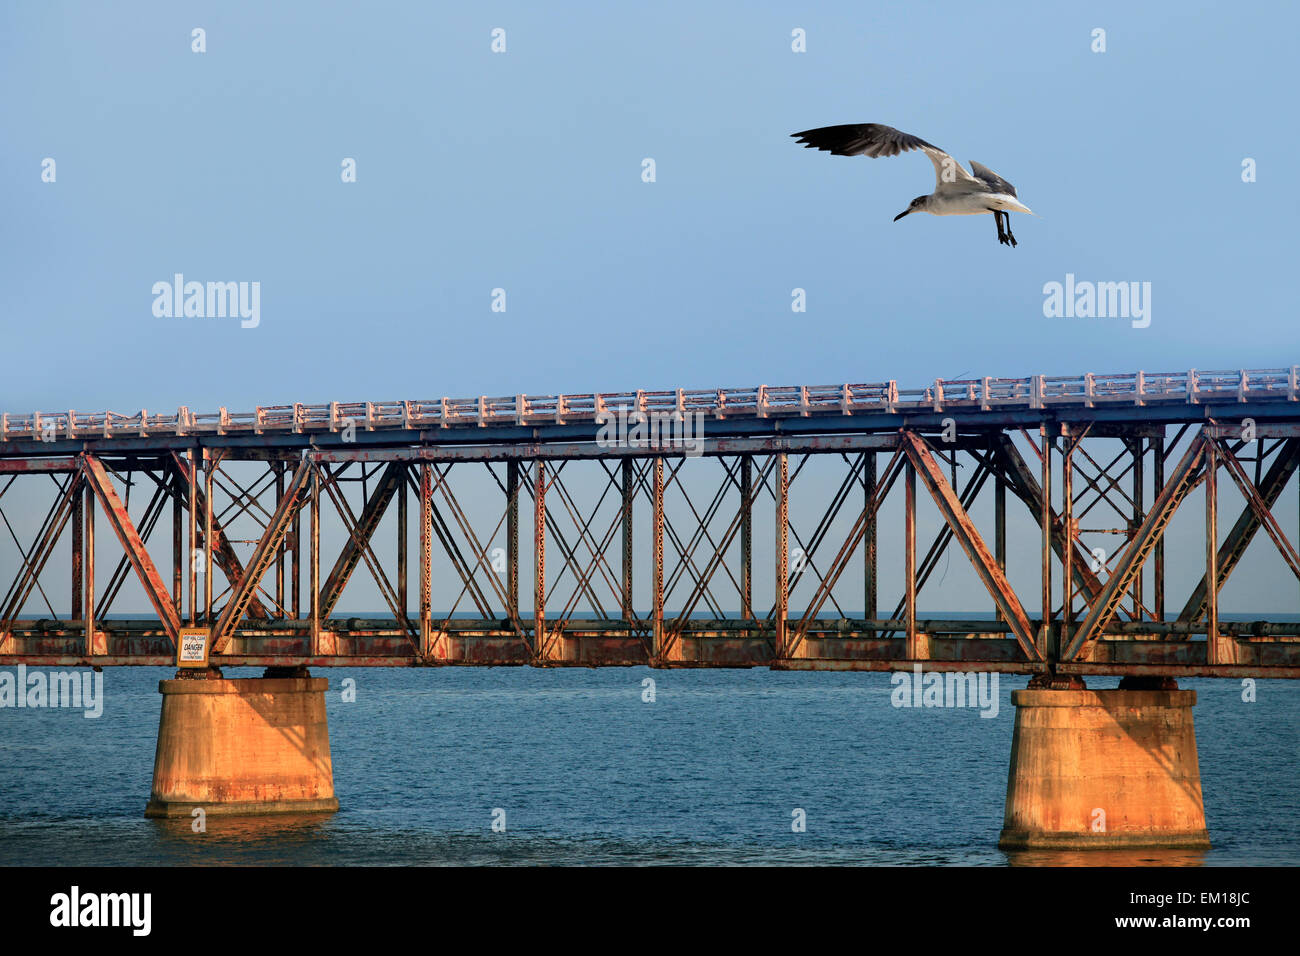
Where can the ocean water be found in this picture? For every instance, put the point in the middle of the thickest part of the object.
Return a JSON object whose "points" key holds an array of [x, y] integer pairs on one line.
{"points": [[587, 772]]}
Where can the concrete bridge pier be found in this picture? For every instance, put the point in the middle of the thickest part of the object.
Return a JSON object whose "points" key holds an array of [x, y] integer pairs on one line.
{"points": [[1104, 769], [242, 746]]}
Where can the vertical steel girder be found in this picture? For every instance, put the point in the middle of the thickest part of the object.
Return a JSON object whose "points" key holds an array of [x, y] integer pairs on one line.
{"points": [[512, 539], [1212, 654], [1029, 491], [359, 541], [963, 529], [628, 485], [278, 468], [314, 561], [40, 552], [210, 468], [426, 557], [870, 539], [222, 553], [1162, 510], [782, 553], [1158, 571], [1000, 524], [1262, 511], [89, 642], [939, 546], [78, 546], [864, 522], [263, 557], [747, 537], [1067, 523], [192, 480], [154, 588], [539, 558], [914, 650], [657, 585], [1048, 526], [178, 537], [1243, 530], [402, 521], [1086, 608], [1138, 480]]}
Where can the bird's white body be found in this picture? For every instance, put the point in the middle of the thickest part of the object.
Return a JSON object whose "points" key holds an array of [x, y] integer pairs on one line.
{"points": [[953, 203], [957, 190]]}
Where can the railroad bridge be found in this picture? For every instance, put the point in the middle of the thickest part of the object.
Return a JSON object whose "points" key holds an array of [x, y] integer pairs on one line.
{"points": [[642, 549]]}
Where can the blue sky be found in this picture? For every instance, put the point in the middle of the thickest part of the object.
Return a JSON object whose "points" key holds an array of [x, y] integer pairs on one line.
{"points": [[522, 171]]}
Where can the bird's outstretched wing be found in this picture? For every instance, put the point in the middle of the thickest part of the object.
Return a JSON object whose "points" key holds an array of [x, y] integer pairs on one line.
{"points": [[875, 139], [991, 179]]}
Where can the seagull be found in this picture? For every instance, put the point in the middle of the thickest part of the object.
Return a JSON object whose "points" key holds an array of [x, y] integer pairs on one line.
{"points": [[956, 192]]}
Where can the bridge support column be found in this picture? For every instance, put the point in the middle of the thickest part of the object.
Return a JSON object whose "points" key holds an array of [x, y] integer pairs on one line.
{"points": [[1103, 769], [244, 746]]}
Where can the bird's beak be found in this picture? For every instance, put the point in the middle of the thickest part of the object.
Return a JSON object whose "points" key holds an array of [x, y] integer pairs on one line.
{"points": [[901, 214]]}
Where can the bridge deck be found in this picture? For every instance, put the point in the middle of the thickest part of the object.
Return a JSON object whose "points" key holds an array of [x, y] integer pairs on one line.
{"points": [[676, 515]]}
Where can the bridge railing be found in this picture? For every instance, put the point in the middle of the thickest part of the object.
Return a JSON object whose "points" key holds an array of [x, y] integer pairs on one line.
{"points": [[1037, 391]]}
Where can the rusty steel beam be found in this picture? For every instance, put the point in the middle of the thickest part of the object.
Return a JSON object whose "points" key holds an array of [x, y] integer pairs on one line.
{"points": [[1045, 648], [209, 467], [1213, 650], [260, 562], [314, 561], [871, 538], [192, 479], [278, 468], [657, 547], [178, 544], [1069, 527], [1029, 491], [1243, 530], [148, 521], [512, 539], [782, 553], [22, 466], [40, 552], [359, 541], [1263, 513], [554, 451], [747, 537], [700, 591], [864, 521], [78, 553], [222, 552], [1181, 481], [939, 545], [1138, 514], [426, 558], [963, 528], [914, 650], [97, 477], [89, 634], [402, 521], [539, 559], [295, 569], [1158, 555], [628, 488]]}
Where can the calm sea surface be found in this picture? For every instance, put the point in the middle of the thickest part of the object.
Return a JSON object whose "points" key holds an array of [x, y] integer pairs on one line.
{"points": [[589, 773]]}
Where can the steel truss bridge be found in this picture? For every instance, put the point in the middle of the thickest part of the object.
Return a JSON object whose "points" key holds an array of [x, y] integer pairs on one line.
{"points": [[671, 524]]}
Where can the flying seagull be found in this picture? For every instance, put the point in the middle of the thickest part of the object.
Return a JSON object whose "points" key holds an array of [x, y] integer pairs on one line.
{"points": [[956, 192]]}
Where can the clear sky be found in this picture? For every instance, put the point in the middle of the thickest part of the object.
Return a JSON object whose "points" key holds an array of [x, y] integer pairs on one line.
{"points": [[522, 171]]}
